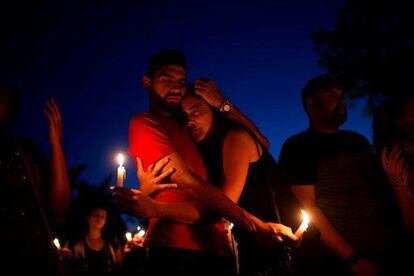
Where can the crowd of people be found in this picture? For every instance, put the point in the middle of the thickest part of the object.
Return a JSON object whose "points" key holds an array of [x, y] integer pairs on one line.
{"points": [[203, 166]]}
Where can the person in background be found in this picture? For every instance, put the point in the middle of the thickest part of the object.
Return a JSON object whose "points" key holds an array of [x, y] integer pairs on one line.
{"points": [[337, 177], [394, 140], [35, 191], [95, 253]]}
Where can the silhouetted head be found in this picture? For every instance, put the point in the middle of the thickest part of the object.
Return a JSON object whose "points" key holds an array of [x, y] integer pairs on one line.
{"points": [[165, 79], [324, 101]]}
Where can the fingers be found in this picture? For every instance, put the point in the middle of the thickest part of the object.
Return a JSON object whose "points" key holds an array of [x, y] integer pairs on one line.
{"points": [[151, 167], [159, 165], [166, 186], [140, 167], [202, 82], [164, 175], [283, 230], [384, 158], [53, 110], [121, 191], [48, 115]]}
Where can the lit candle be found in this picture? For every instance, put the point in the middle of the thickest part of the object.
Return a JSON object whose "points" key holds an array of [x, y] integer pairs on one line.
{"points": [[128, 236], [304, 225], [57, 243], [141, 233], [121, 172], [138, 228]]}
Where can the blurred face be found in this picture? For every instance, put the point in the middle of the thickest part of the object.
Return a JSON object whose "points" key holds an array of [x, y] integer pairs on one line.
{"points": [[199, 117], [97, 219], [328, 107], [167, 86]]}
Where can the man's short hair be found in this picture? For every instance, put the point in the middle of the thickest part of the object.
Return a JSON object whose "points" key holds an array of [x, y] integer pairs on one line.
{"points": [[166, 57], [316, 84]]}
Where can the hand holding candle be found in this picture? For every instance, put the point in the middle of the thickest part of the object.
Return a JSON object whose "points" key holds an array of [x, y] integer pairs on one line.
{"points": [[121, 172], [57, 243], [304, 225], [128, 236]]}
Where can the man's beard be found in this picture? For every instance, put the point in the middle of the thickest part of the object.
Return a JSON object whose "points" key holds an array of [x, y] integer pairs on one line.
{"points": [[334, 119], [163, 104]]}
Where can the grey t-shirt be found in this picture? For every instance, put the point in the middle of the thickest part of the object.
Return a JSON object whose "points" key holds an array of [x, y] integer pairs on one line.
{"points": [[350, 188]]}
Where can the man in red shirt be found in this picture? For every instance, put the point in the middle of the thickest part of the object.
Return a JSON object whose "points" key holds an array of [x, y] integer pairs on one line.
{"points": [[179, 247]]}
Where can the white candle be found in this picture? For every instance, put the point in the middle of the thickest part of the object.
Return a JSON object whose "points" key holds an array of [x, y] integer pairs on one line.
{"points": [[304, 225], [128, 236], [141, 233], [57, 243], [121, 172]]}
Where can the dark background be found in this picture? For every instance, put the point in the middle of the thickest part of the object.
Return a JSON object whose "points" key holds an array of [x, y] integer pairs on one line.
{"points": [[90, 56]]}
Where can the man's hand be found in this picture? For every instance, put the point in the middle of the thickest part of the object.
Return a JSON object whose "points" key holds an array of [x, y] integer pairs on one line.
{"points": [[272, 235], [395, 166], [363, 267], [64, 253], [209, 91], [284, 233], [134, 202], [150, 180], [52, 112]]}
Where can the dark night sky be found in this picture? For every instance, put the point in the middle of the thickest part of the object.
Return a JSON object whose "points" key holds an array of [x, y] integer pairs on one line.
{"points": [[90, 57]]}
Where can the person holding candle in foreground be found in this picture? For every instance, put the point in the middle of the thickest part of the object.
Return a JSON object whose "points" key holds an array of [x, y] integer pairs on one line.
{"points": [[180, 248], [35, 193], [339, 180]]}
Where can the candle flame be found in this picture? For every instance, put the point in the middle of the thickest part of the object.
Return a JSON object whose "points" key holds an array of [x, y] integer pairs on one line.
{"points": [[128, 236], [305, 217], [138, 228], [141, 233], [121, 159], [57, 243]]}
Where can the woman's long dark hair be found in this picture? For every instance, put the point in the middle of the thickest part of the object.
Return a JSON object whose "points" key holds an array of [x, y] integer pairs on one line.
{"points": [[211, 149]]}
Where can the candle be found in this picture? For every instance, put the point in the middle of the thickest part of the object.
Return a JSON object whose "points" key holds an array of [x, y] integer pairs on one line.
{"points": [[57, 243], [121, 172], [138, 228], [141, 233], [128, 236], [304, 225]]}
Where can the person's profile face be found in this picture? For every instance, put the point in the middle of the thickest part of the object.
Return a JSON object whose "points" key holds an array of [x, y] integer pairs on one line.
{"points": [[329, 105], [97, 218], [199, 117], [168, 85]]}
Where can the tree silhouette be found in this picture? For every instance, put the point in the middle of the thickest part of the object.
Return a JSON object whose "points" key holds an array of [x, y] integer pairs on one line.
{"points": [[371, 49]]}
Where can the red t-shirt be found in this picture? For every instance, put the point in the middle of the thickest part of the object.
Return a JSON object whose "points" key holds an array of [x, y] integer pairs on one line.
{"points": [[152, 138]]}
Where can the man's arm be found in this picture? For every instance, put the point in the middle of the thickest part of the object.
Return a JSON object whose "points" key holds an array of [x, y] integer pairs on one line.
{"points": [[330, 237], [212, 95], [215, 200]]}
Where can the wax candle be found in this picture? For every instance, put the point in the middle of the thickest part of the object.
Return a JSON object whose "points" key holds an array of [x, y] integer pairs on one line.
{"points": [[121, 172], [304, 225]]}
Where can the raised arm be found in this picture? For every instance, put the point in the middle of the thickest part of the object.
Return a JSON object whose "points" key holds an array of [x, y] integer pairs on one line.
{"points": [[212, 95], [59, 190], [400, 177]]}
